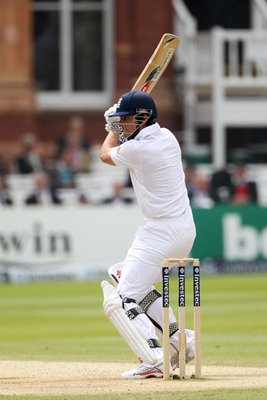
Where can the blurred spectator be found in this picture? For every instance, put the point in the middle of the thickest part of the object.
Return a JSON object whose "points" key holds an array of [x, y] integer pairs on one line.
{"points": [[3, 165], [245, 191], [190, 174], [83, 199], [43, 194], [30, 159], [118, 195], [221, 187], [5, 199], [78, 145], [200, 195], [61, 171]]}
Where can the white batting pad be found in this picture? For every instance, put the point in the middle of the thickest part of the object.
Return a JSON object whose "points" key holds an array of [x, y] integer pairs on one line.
{"points": [[113, 309], [115, 272]]}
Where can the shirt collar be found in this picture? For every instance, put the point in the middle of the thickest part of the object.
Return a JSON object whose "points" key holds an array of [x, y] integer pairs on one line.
{"points": [[147, 131]]}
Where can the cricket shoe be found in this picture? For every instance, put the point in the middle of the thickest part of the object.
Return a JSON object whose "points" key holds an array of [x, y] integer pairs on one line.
{"points": [[145, 371]]}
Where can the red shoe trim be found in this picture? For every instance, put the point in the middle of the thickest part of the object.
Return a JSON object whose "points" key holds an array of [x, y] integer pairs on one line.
{"points": [[153, 371]]}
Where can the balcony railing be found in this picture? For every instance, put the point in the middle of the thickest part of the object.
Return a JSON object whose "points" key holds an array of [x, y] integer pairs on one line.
{"points": [[236, 59]]}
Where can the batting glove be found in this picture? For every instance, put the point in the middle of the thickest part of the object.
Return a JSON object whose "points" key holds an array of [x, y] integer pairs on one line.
{"points": [[110, 120]]}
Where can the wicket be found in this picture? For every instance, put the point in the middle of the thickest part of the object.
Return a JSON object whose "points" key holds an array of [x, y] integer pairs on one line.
{"points": [[181, 315]]}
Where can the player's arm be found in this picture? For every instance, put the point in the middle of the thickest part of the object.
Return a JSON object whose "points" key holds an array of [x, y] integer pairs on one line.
{"points": [[110, 142]]}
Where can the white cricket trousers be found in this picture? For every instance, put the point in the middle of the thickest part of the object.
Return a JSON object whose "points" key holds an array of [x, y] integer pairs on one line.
{"points": [[157, 239]]}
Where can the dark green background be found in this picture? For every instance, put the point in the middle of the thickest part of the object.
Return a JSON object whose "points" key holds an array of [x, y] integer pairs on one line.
{"points": [[209, 223]]}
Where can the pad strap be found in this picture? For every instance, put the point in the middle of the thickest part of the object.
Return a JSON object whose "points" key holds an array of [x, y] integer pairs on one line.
{"points": [[173, 328], [149, 299], [127, 300], [133, 312], [153, 343], [146, 303]]}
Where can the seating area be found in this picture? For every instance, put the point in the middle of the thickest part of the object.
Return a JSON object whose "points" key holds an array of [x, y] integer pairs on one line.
{"points": [[256, 173], [94, 186], [98, 184]]}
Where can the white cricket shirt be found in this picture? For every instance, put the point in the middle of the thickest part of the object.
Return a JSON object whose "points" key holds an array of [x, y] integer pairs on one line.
{"points": [[155, 165]]}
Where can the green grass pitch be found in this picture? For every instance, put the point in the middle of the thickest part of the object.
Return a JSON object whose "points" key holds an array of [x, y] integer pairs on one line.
{"points": [[65, 322]]}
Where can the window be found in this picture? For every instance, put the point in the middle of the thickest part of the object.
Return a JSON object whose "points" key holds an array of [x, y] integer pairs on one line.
{"points": [[72, 52]]}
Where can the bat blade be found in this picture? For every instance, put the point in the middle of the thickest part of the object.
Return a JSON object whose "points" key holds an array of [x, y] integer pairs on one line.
{"points": [[157, 63]]}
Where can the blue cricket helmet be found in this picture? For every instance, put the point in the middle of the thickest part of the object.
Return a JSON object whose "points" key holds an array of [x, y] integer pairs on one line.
{"points": [[131, 103]]}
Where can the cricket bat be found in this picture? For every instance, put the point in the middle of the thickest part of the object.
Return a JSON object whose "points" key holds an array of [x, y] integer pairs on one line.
{"points": [[157, 63]]}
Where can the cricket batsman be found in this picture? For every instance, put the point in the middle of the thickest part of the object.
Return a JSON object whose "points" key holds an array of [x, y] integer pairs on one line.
{"points": [[153, 156]]}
